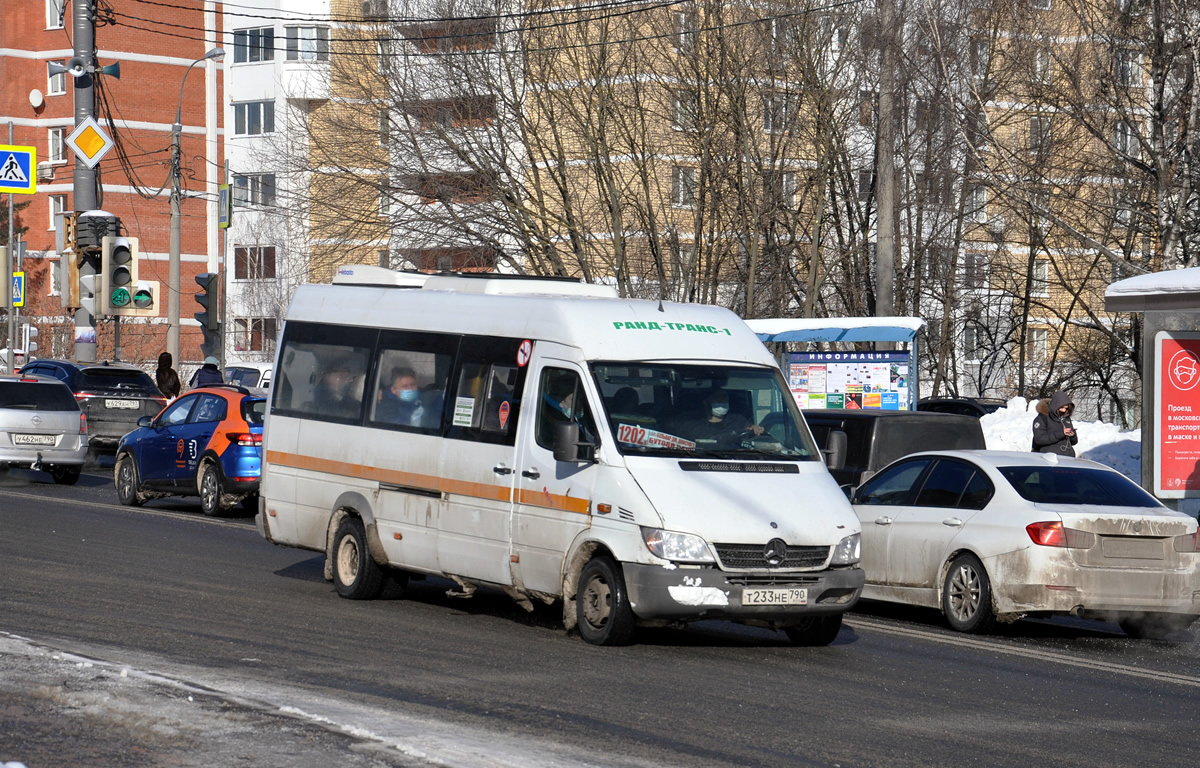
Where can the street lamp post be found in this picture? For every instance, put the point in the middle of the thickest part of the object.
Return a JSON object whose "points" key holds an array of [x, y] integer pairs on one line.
{"points": [[175, 286]]}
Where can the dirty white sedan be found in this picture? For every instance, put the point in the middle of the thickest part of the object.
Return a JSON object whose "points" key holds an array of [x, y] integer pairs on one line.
{"points": [[993, 536]]}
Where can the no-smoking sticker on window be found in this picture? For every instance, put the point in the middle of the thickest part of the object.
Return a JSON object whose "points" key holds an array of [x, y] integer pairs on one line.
{"points": [[524, 352]]}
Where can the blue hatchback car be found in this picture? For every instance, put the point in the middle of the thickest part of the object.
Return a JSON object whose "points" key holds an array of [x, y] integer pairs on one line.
{"points": [[207, 443]]}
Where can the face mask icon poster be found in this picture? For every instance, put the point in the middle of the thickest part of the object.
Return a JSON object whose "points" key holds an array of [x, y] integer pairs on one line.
{"points": [[1177, 415]]}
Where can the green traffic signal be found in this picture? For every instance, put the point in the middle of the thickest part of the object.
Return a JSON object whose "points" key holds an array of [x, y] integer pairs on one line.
{"points": [[120, 297], [143, 298]]}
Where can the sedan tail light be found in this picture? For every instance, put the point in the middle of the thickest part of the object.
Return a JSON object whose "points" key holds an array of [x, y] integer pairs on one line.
{"points": [[245, 438], [1188, 542], [82, 423], [1053, 534]]}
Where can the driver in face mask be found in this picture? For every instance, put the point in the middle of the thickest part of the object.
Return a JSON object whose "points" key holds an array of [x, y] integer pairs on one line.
{"points": [[721, 421]]}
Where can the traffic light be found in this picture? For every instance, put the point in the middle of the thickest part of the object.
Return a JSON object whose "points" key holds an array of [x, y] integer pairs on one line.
{"points": [[118, 268], [89, 295], [143, 300], [29, 333], [209, 297]]}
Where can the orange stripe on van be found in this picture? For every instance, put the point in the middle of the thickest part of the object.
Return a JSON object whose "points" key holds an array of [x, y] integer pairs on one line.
{"points": [[430, 482]]}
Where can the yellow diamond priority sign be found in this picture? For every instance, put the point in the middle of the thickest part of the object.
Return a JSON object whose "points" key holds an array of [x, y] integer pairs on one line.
{"points": [[89, 142]]}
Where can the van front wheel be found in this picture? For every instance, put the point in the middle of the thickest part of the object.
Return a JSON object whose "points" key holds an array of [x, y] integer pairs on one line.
{"points": [[355, 575], [602, 604]]}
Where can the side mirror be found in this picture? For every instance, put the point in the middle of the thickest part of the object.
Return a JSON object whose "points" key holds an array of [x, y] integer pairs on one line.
{"points": [[835, 449], [849, 491], [145, 421], [567, 445]]}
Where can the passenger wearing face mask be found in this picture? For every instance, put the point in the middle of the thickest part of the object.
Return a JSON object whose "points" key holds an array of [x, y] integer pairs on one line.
{"points": [[719, 422], [401, 402]]}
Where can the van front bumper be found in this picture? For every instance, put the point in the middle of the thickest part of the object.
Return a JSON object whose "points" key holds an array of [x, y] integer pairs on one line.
{"points": [[657, 592]]}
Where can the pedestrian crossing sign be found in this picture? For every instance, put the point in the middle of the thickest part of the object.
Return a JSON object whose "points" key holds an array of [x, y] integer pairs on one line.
{"points": [[18, 169], [18, 289]]}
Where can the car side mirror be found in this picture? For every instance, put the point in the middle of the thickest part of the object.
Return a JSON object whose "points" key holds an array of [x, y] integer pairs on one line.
{"points": [[835, 449], [568, 447], [145, 421], [848, 489]]}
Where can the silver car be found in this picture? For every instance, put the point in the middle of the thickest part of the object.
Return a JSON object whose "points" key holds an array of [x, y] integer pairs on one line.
{"points": [[41, 427]]}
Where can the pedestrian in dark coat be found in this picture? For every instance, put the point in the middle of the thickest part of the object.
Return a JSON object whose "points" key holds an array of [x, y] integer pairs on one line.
{"points": [[1053, 431], [166, 377]]}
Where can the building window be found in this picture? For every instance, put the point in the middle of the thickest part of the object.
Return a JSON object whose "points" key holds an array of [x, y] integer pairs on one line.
{"points": [[1039, 135], [1122, 209], [972, 339], [252, 45], [254, 189], [686, 110], [1041, 279], [1125, 140], [981, 57], [255, 334], [56, 84], [253, 118], [779, 188], [1127, 68], [55, 287], [58, 204], [1041, 65], [779, 112], [385, 128], [937, 187], [683, 186], [976, 203], [684, 34], [253, 262], [57, 140], [975, 270], [865, 181], [1038, 344], [866, 108], [307, 43], [54, 14]]}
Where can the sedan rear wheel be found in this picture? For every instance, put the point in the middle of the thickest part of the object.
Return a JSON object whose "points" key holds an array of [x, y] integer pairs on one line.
{"points": [[967, 596], [125, 476], [210, 491]]}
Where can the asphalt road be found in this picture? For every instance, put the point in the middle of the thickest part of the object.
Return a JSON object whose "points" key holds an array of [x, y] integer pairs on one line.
{"points": [[207, 609]]}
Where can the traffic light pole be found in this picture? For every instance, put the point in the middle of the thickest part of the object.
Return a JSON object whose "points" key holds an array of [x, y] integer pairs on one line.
{"points": [[84, 189]]}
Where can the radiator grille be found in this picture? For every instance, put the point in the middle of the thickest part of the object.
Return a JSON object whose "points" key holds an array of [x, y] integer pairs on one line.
{"points": [[746, 557]]}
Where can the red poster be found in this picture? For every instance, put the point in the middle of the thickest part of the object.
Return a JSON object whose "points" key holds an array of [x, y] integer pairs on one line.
{"points": [[1177, 416]]}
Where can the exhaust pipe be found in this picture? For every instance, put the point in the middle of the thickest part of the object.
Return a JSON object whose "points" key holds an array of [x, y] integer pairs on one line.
{"points": [[37, 463]]}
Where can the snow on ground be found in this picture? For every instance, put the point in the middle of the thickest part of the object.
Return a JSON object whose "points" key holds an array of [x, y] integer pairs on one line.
{"points": [[1011, 429]]}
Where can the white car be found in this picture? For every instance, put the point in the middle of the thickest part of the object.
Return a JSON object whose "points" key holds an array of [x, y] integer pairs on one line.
{"points": [[993, 536], [257, 375]]}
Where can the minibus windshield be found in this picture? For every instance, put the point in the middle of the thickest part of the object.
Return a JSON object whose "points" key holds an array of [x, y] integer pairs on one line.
{"points": [[716, 411]]}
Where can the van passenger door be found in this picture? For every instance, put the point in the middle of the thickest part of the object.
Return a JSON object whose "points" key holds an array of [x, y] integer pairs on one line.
{"points": [[477, 460], [554, 498]]}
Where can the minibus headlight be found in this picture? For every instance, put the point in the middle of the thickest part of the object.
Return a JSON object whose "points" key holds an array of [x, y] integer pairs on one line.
{"points": [[848, 551], [677, 547]]}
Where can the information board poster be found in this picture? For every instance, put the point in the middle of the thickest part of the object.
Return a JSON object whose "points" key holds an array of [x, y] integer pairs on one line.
{"points": [[879, 380], [1177, 415]]}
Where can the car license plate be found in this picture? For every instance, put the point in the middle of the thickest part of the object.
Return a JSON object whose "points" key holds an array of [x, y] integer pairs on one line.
{"points": [[33, 439], [125, 404], [775, 596]]}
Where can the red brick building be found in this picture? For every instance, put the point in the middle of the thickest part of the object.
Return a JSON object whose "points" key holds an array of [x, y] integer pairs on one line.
{"points": [[154, 44]]}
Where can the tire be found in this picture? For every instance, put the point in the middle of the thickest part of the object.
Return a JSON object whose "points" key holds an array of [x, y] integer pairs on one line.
{"points": [[602, 609], [126, 479], [815, 631], [65, 474], [1156, 626], [355, 575], [209, 485], [967, 596], [395, 584]]}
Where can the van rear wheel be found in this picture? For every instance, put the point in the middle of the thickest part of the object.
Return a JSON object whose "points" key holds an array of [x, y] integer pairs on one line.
{"points": [[355, 575], [602, 609]]}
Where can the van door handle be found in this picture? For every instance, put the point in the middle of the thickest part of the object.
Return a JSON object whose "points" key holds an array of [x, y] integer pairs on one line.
{"points": [[532, 473], [953, 522], [500, 469], [883, 521]]}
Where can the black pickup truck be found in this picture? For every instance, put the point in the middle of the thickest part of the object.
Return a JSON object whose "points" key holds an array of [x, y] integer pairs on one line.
{"points": [[859, 443]]}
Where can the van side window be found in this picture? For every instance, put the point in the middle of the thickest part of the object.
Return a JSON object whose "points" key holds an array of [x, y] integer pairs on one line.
{"points": [[561, 398], [487, 390], [323, 372], [411, 373]]}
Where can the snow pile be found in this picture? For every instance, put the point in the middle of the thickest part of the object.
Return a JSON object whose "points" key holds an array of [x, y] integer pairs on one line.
{"points": [[1011, 429]]}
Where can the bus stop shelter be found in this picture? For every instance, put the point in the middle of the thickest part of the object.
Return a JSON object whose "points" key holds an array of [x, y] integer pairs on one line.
{"points": [[831, 330], [1170, 302]]}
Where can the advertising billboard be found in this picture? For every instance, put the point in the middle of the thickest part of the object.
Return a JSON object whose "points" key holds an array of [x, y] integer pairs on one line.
{"points": [[879, 380], [1177, 415]]}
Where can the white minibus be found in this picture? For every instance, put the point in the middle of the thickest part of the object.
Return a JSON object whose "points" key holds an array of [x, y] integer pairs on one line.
{"points": [[642, 462]]}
